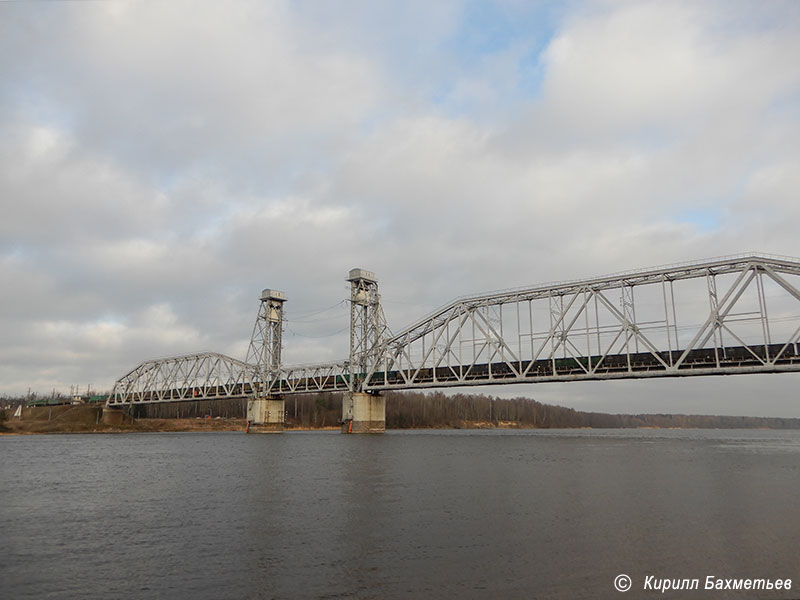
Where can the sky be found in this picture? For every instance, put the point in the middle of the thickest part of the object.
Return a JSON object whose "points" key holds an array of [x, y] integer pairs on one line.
{"points": [[162, 162]]}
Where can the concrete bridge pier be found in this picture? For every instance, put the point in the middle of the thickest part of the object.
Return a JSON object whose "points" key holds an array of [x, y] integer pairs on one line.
{"points": [[265, 415], [114, 415], [363, 413]]}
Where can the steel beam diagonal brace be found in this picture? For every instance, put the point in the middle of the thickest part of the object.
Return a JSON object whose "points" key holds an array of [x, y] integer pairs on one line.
{"points": [[720, 312], [490, 335], [633, 328], [551, 334]]}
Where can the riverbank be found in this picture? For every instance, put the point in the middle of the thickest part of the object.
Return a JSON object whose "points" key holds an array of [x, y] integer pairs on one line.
{"points": [[92, 424], [87, 418]]}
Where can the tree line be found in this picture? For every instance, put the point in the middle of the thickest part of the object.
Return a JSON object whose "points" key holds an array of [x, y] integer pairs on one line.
{"points": [[438, 410]]}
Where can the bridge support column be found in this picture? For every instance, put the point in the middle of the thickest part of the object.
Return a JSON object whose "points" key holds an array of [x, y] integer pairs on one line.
{"points": [[114, 415], [363, 413], [265, 415]]}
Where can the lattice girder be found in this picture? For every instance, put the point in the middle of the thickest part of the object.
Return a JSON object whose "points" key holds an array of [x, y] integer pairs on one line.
{"points": [[199, 376], [593, 323]]}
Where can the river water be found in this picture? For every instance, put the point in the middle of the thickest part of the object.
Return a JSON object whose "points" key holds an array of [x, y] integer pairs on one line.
{"points": [[410, 514]]}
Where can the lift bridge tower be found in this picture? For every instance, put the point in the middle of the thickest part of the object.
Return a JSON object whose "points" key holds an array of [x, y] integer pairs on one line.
{"points": [[265, 412], [362, 412]]}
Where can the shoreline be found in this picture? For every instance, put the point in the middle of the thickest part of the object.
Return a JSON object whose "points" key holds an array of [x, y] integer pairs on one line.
{"points": [[88, 418], [19, 428]]}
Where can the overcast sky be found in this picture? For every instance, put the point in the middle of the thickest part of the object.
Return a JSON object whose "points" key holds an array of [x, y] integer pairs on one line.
{"points": [[162, 162]]}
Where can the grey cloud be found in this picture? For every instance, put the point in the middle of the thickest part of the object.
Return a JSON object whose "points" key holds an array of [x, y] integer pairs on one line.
{"points": [[161, 165]]}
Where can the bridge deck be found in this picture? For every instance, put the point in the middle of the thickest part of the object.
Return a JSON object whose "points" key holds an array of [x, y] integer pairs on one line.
{"points": [[707, 361]]}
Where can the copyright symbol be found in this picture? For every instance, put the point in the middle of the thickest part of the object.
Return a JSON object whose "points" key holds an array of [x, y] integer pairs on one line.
{"points": [[622, 583]]}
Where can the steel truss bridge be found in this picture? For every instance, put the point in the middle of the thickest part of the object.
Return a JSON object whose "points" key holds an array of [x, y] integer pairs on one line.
{"points": [[731, 315]]}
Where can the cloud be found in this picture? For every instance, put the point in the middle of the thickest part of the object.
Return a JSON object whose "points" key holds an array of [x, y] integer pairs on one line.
{"points": [[663, 65], [179, 87], [161, 163]]}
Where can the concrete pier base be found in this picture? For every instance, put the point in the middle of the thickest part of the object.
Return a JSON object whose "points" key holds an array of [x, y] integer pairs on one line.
{"points": [[363, 413], [265, 415], [114, 415]]}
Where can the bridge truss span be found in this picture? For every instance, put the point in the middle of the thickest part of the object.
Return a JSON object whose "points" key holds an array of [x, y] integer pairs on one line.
{"points": [[198, 376], [734, 315], [306, 379]]}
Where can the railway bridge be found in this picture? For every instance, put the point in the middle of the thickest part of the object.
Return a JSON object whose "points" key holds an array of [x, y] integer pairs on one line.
{"points": [[724, 316]]}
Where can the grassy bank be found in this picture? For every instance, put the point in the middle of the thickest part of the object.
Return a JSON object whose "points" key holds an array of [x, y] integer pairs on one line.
{"points": [[87, 418], [410, 410]]}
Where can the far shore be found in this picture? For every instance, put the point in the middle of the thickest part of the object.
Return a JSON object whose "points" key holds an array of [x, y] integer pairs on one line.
{"points": [[32, 427], [229, 424], [88, 418]]}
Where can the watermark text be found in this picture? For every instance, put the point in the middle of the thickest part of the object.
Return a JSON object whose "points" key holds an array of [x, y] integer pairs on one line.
{"points": [[653, 583]]}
